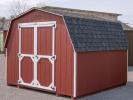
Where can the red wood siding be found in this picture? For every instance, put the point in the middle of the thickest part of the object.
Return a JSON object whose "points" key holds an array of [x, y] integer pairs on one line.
{"points": [[100, 70], [44, 72], [12, 59], [64, 51], [27, 40], [27, 69], [27, 47], [44, 41], [44, 48]]}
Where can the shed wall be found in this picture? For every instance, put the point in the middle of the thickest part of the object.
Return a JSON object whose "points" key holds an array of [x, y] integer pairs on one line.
{"points": [[100, 70], [129, 35], [64, 51]]}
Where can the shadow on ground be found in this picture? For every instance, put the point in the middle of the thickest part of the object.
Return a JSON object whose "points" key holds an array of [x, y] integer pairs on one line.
{"points": [[120, 93]]}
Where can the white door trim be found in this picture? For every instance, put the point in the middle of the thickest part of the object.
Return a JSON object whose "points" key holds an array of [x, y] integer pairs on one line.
{"points": [[35, 57], [75, 75], [38, 24]]}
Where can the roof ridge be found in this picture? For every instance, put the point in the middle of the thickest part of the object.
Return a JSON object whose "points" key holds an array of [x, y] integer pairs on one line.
{"points": [[80, 10]]}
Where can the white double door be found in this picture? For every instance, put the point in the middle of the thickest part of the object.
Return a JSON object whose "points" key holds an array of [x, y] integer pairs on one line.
{"points": [[37, 55]]}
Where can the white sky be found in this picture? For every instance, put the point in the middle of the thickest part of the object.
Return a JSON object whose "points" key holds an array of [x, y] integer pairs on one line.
{"points": [[124, 7]]}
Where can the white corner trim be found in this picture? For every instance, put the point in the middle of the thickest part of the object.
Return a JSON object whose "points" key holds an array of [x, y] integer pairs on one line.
{"points": [[75, 62], [75, 75]]}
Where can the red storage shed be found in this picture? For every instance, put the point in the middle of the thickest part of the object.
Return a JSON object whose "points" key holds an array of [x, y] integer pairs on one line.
{"points": [[65, 53]]}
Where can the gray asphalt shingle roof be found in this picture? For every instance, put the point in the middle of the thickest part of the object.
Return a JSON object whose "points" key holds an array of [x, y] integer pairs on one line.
{"points": [[94, 35]]}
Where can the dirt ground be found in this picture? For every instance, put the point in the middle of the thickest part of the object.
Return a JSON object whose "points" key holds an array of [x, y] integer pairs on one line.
{"points": [[13, 93]]}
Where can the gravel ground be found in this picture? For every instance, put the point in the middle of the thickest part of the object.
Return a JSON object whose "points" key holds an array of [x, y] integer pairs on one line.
{"points": [[13, 93]]}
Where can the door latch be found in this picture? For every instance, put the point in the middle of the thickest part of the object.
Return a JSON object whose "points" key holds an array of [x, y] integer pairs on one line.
{"points": [[19, 55], [53, 58]]}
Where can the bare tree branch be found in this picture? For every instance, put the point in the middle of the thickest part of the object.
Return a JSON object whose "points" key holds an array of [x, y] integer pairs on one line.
{"points": [[17, 7]]}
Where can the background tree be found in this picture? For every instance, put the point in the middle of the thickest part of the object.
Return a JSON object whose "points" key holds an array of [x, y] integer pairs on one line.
{"points": [[17, 7]]}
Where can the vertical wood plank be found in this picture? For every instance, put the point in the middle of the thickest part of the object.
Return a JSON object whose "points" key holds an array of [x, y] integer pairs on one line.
{"points": [[63, 81]]}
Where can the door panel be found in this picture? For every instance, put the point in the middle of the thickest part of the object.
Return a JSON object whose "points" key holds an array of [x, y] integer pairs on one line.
{"points": [[36, 59], [44, 41], [27, 69], [27, 47], [27, 38], [44, 48], [44, 72]]}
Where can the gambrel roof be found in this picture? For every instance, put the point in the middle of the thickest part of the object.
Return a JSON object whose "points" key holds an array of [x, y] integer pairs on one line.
{"points": [[92, 34]]}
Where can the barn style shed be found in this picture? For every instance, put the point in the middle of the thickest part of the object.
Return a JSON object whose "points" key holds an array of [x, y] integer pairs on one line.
{"points": [[65, 52]]}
